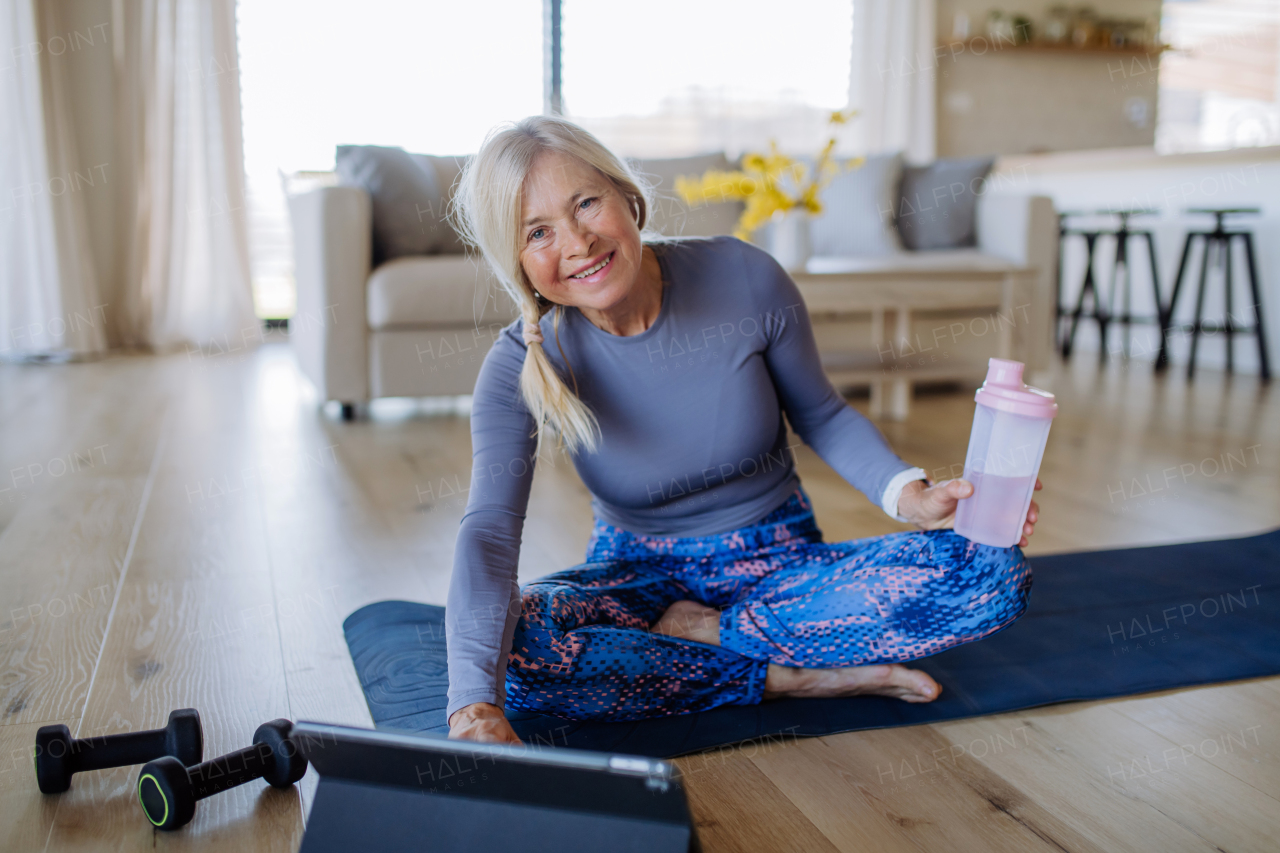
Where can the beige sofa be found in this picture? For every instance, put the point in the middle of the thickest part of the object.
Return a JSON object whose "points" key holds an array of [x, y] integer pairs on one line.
{"points": [[421, 326]]}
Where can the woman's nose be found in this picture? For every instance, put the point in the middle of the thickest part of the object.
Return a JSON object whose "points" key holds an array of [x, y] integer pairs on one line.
{"points": [[577, 241]]}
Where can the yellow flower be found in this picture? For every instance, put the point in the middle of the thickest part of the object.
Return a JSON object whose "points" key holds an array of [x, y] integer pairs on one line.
{"points": [[753, 162], [714, 187], [769, 183]]}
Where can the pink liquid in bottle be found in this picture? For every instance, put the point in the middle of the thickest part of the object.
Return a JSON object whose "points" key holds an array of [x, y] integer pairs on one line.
{"points": [[1003, 502], [1010, 427]]}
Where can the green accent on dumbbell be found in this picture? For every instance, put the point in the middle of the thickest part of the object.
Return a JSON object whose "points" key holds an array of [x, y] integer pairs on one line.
{"points": [[159, 791]]}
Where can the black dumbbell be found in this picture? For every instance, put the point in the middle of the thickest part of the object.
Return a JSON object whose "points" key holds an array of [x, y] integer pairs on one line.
{"points": [[59, 755], [169, 791]]}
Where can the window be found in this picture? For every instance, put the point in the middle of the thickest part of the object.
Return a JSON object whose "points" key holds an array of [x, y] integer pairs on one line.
{"points": [[1218, 87], [677, 77], [431, 78], [664, 78]]}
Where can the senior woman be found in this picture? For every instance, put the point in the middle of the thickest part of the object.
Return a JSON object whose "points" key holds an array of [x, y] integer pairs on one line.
{"points": [[665, 368]]}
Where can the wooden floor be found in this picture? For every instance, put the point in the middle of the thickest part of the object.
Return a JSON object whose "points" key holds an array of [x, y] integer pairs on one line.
{"points": [[189, 531]]}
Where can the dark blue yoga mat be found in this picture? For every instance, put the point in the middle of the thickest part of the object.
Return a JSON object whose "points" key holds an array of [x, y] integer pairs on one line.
{"points": [[1100, 624]]}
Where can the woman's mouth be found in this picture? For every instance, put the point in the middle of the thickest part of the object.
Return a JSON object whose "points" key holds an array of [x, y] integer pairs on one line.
{"points": [[596, 271]]}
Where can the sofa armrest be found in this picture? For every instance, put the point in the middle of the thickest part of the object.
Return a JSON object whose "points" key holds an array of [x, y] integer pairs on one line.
{"points": [[1023, 229], [332, 236]]}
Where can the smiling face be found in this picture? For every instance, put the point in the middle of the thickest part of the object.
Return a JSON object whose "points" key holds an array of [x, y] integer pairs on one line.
{"points": [[580, 243]]}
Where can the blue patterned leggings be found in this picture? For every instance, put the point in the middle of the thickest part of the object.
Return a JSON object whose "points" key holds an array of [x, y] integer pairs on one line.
{"points": [[583, 649]]}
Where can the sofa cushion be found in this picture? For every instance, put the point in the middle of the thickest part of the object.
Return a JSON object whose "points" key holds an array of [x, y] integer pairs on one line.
{"points": [[447, 171], [405, 195], [671, 216], [436, 291], [937, 203], [857, 219]]}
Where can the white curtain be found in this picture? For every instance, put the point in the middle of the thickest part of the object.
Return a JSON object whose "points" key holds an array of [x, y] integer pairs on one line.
{"points": [[892, 77], [187, 266], [176, 179], [49, 305]]}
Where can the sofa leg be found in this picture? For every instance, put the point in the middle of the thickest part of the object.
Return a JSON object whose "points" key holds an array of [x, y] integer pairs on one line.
{"points": [[348, 411]]}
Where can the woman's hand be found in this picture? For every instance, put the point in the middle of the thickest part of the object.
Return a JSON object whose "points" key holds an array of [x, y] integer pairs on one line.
{"points": [[934, 507], [482, 722]]}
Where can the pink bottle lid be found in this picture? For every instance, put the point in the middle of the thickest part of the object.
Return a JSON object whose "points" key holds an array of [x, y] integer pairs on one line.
{"points": [[1004, 391]]}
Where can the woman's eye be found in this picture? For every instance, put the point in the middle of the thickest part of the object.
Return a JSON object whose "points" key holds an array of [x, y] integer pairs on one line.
{"points": [[585, 203], [538, 234]]}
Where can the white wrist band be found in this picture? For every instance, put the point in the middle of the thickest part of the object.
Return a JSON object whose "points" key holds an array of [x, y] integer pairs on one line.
{"points": [[893, 491]]}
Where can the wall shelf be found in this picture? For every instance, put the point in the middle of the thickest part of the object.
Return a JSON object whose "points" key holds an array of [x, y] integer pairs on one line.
{"points": [[981, 45]]}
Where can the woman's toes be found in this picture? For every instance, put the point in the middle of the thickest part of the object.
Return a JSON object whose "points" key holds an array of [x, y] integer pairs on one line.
{"points": [[917, 686]]}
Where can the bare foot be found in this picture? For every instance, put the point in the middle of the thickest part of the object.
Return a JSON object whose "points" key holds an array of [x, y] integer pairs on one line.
{"points": [[893, 680], [690, 620]]}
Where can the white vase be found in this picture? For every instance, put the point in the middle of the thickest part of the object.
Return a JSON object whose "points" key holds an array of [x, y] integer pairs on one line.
{"points": [[789, 239]]}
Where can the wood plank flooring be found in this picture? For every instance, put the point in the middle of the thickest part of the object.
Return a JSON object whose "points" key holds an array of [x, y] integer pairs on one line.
{"points": [[180, 531]]}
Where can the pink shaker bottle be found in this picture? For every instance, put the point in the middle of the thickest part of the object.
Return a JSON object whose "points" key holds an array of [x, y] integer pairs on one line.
{"points": [[1010, 428]]}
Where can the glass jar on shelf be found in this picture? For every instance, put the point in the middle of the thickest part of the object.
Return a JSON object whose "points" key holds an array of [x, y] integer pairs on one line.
{"points": [[1057, 26], [1000, 28], [1084, 28]]}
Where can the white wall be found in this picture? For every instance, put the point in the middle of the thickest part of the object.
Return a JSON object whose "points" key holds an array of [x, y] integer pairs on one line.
{"points": [[1170, 184], [1002, 100]]}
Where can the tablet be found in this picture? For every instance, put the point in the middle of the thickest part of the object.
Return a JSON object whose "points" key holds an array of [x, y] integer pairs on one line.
{"points": [[392, 791]]}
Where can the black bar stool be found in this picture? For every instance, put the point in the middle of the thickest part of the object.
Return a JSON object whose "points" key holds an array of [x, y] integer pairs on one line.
{"points": [[1217, 244], [1057, 279], [1106, 314], [1087, 288]]}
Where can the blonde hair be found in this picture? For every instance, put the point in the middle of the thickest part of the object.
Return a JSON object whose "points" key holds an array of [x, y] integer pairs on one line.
{"points": [[486, 211]]}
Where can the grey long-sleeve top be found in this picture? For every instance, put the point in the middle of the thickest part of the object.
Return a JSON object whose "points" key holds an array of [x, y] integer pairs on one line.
{"points": [[693, 440]]}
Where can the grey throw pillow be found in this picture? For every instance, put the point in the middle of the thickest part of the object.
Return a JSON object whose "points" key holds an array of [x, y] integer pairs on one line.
{"points": [[447, 171], [670, 216], [937, 204], [857, 218], [406, 199]]}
